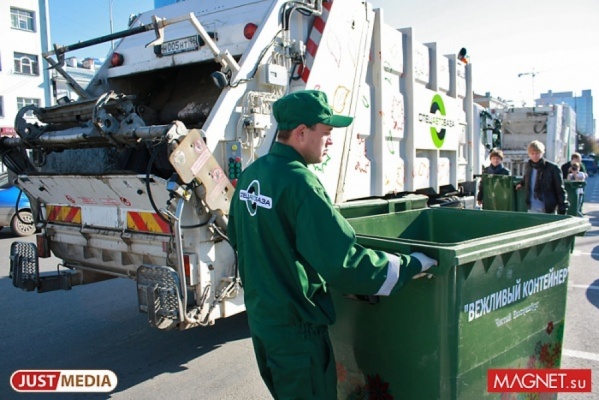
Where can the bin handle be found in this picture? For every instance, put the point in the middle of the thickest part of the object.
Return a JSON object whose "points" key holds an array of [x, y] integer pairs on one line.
{"points": [[423, 275], [370, 299]]}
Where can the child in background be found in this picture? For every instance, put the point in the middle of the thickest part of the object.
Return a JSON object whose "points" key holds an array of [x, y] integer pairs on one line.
{"points": [[496, 168]]}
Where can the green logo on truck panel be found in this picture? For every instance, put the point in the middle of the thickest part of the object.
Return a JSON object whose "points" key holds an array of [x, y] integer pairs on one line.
{"points": [[437, 121], [438, 136]]}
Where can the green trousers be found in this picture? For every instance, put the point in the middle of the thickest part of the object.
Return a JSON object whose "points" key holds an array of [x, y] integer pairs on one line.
{"points": [[295, 362]]}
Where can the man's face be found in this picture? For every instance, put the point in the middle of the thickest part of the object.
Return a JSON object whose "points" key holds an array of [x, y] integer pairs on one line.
{"points": [[535, 155], [317, 141], [495, 161], [576, 159]]}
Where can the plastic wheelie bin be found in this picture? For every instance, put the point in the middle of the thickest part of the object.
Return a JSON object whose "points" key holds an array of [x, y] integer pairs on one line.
{"points": [[361, 208], [496, 300], [574, 197], [499, 193]]}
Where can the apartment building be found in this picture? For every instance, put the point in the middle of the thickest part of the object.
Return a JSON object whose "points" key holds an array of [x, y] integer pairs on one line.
{"points": [[24, 78], [582, 105]]}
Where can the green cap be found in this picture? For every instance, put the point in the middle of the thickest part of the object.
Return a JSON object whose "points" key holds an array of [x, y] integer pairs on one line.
{"points": [[307, 107]]}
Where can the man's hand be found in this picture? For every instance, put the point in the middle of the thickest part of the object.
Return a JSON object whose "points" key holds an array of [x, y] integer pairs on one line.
{"points": [[562, 211], [425, 261]]}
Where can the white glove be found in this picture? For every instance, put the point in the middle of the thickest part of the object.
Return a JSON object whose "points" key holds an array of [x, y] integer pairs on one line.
{"points": [[425, 260]]}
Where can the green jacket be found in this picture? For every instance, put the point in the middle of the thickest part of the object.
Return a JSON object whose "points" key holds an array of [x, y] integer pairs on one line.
{"points": [[293, 244]]}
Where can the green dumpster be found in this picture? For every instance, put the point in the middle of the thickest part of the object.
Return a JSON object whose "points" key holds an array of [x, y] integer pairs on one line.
{"points": [[360, 208], [575, 196], [499, 193], [496, 300]]}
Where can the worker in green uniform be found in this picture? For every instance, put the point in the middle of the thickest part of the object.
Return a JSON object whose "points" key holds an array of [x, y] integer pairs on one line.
{"points": [[293, 245]]}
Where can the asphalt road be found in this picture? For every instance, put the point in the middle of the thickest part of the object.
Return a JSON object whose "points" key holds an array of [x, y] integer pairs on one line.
{"points": [[98, 327], [581, 347]]}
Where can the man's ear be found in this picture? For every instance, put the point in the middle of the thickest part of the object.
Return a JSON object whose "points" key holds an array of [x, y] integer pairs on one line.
{"points": [[300, 132]]}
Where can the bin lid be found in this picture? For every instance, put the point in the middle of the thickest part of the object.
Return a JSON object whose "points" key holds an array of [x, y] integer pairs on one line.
{"points": [[545, 228]]}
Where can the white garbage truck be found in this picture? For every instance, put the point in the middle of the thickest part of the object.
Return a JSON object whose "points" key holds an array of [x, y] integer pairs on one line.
{"points": [[553, 125], [134, 178]]}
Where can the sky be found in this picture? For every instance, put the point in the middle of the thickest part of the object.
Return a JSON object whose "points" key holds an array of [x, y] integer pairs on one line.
{"points": [[557, 40], [75, 21]]}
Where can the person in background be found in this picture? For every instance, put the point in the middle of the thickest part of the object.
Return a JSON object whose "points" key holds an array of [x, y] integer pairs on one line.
{"points": [[543, 183], [496, 168], [574, 158], [575, 174], [293, 246]]}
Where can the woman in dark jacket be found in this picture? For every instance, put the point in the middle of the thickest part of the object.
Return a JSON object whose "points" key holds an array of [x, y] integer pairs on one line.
{"points": [[543, 183]]}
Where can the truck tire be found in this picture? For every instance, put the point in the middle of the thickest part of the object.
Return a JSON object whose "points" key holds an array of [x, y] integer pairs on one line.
{"points": [[22, 224]]}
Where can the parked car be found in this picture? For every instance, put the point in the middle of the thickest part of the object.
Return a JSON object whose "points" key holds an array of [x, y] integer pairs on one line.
{"points": [[20, 221], [590, 165]]}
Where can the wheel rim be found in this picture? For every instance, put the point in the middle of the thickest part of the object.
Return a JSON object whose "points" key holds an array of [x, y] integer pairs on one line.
{"points": [[25, 223]]}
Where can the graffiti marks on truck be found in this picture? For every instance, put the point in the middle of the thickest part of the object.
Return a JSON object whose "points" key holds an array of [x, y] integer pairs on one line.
{"points": [[519, 291], [421, 169], [389, 141], [393, 122], [397, 114], [334, 46], [340, 98], [400, 179], [363, 162], [365, 102], [320, 167], [394, 54]]}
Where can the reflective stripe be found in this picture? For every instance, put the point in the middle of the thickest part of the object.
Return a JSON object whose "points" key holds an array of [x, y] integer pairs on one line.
{"points": [[64, 214], [314, 39], [147, 222], [392, 276]]}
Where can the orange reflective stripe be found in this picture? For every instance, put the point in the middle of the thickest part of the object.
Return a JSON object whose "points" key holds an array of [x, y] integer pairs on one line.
{"points": [[64, 214], [147, 222]]}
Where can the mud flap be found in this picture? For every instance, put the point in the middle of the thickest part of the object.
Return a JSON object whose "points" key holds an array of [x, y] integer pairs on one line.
{"points": [[24, 266], [159, 295]]}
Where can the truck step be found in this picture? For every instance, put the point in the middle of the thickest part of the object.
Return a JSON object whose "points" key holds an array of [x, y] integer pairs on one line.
{"points": [[159, 295], [24, 266]]}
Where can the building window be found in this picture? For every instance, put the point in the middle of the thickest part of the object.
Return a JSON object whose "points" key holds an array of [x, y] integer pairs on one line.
{"points": [[26, 64], [1, 106], [24, 101], [22, 19]]}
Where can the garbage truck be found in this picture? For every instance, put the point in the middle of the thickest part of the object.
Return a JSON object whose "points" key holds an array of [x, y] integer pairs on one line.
{"points": [[134, 178], [553, 125]]}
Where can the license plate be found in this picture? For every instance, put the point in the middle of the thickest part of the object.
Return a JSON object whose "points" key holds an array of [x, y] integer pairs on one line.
{"points": [[190, 43]]}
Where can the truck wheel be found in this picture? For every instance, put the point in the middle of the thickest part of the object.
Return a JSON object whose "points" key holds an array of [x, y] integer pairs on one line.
{"points": [[22, 224]]}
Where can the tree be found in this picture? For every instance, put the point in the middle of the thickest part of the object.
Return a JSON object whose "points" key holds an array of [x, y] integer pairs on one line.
{"points": [[586, 144]]}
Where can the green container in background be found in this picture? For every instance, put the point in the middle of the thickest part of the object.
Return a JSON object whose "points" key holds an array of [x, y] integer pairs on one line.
{"points": [[574, 198], [360, 208], [496, 300], [499, 193]]}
